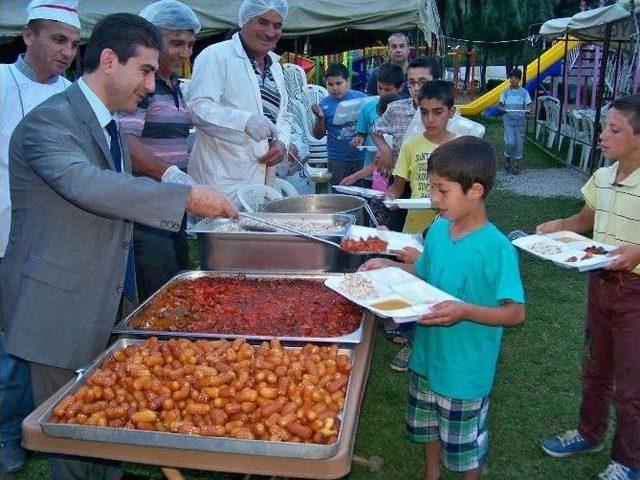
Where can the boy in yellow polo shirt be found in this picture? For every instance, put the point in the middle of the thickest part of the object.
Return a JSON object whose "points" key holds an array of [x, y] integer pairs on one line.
{"points": [[611, 362], [436, 108]]}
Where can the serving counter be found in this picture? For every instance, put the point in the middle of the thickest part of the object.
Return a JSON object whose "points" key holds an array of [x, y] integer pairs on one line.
{"points": [[333, 467]]}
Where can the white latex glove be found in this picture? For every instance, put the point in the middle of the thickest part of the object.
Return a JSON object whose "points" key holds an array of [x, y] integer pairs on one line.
{"points": [[174, 175], [260, 128]]}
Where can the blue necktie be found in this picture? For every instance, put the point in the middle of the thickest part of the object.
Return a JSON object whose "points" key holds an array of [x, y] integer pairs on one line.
{"points": [[116, 156]]}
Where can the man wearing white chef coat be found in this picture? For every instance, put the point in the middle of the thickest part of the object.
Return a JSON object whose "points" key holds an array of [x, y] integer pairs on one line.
{"points": [[238, 103], [52, 34]]}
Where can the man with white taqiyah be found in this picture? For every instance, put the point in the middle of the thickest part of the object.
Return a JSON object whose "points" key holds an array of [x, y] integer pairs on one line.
{"points": [[239, 103], [52, 35]]}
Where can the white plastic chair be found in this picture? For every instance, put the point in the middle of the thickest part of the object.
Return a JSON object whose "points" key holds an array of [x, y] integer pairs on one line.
{"points": [[252, 196], [580, 139], [543, 126], [286, 189], [588, 128], [295, 81]]}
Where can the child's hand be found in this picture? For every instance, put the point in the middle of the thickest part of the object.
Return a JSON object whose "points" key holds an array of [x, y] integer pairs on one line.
{"points": [[628, 258], [408, 255], [376, 263], [549, 227], [317, 111], [445, 313], [350, 180], [357, 141], [390, 196]]}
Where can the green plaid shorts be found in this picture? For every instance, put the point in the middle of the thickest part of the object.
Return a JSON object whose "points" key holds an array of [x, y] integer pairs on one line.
{"points": [[459, 425]]}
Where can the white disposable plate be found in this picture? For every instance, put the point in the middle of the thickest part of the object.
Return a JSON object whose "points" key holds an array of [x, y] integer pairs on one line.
{"points": [[562, 246], [393, 283], [367, 148], [409, 203], [359, 191], [395, 240]]}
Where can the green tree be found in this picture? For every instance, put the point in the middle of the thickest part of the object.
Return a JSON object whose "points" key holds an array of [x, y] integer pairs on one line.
{"points": [[495, 20]]}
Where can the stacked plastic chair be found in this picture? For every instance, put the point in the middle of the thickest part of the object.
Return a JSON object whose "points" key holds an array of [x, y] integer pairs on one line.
{"points": [[301, 97]]}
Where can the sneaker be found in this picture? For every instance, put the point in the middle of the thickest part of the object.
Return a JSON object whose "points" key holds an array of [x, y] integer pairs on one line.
{"points": [[517, 165], [568, 443], [507, 164], [397, 336], [616, 471], [400, 362], [12, 457]]}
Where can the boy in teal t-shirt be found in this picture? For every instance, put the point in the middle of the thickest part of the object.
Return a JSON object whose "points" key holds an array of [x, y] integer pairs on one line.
{"points": [[457, 344]]}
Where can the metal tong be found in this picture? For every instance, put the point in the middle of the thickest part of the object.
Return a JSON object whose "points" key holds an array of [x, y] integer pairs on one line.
{"points": [[306, 235]]}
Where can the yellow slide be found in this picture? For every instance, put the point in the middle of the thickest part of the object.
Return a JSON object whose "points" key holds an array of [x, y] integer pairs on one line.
{"points": [[492, 97]]}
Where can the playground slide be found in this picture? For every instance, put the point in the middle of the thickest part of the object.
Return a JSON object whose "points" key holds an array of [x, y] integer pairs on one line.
{"points": [[548, 59]]}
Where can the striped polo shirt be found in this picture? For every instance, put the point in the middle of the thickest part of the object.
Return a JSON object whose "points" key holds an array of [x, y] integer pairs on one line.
{"points": [[616, 206], [162, 123], [268, 87]]}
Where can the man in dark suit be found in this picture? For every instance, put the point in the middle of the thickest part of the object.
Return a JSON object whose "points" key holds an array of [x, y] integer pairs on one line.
{"points": [[67, 270]]}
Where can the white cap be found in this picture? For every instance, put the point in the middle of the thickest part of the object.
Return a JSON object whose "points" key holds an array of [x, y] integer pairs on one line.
{"points": [[61, 10], [253, 8]]}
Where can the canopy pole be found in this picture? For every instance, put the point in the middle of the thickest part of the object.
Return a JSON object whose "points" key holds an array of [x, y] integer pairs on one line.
{"points": [[565, 82], [616, 73], [596, 121]]}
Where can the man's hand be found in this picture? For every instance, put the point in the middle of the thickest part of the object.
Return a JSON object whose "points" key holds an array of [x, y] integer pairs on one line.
{"points": [[357, 141], [275, 154], [628, 258], [550, 227], [174, 175], [445, 313], [260, 128], [384, 159], [317, 110], [207, 201]]}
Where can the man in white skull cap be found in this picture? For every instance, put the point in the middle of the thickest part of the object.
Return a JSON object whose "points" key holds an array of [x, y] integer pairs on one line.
{"points": [[52, 34], [239, 103], [157, 135]]}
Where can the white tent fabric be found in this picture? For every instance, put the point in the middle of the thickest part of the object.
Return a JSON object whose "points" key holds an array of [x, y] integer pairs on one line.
{"points": [[305, 17], [591, 24]]}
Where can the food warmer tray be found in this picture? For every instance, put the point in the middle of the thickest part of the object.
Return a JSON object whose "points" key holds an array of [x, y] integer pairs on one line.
{"points": [[183, 441], [124, 328], [245, 251]]}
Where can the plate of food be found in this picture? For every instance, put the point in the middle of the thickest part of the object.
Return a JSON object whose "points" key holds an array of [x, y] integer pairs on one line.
{"points": [[359, 191], [568, 249], [382, 242], [389, 292], [409, 203]]}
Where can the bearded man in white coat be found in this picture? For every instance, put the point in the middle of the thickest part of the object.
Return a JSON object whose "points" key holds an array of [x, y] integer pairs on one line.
{"points": [[238, 103], [52, 35]]}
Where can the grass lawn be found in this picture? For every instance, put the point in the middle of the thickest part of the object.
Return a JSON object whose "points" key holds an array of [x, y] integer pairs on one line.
{"points": [[537, 391]]}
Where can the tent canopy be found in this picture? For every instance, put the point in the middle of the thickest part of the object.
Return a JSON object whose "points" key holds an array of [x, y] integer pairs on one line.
{"points": [[590, 25], [305, 17]]}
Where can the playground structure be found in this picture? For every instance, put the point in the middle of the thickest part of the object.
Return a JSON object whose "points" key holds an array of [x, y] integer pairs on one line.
{"points": [[575, 104], [548, 64]]}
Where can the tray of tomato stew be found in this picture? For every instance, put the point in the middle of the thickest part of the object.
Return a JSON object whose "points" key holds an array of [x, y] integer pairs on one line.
{"points": [[260, 306], [220, 395]]}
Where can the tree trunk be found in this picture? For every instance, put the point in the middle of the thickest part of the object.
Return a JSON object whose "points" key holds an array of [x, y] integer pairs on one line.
{"points": [[467, 69], [483, 69]]}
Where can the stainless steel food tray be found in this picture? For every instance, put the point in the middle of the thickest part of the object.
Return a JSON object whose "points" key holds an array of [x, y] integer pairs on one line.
{"points": [[341, 222], [274, 251], [182, 441], [124, 328]]}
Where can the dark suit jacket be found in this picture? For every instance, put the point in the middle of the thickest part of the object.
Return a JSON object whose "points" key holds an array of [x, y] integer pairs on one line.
{"points": [[61, 279]]}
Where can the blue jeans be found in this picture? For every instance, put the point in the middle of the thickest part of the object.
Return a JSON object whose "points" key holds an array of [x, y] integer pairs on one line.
{"points": [[16, 398]]}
